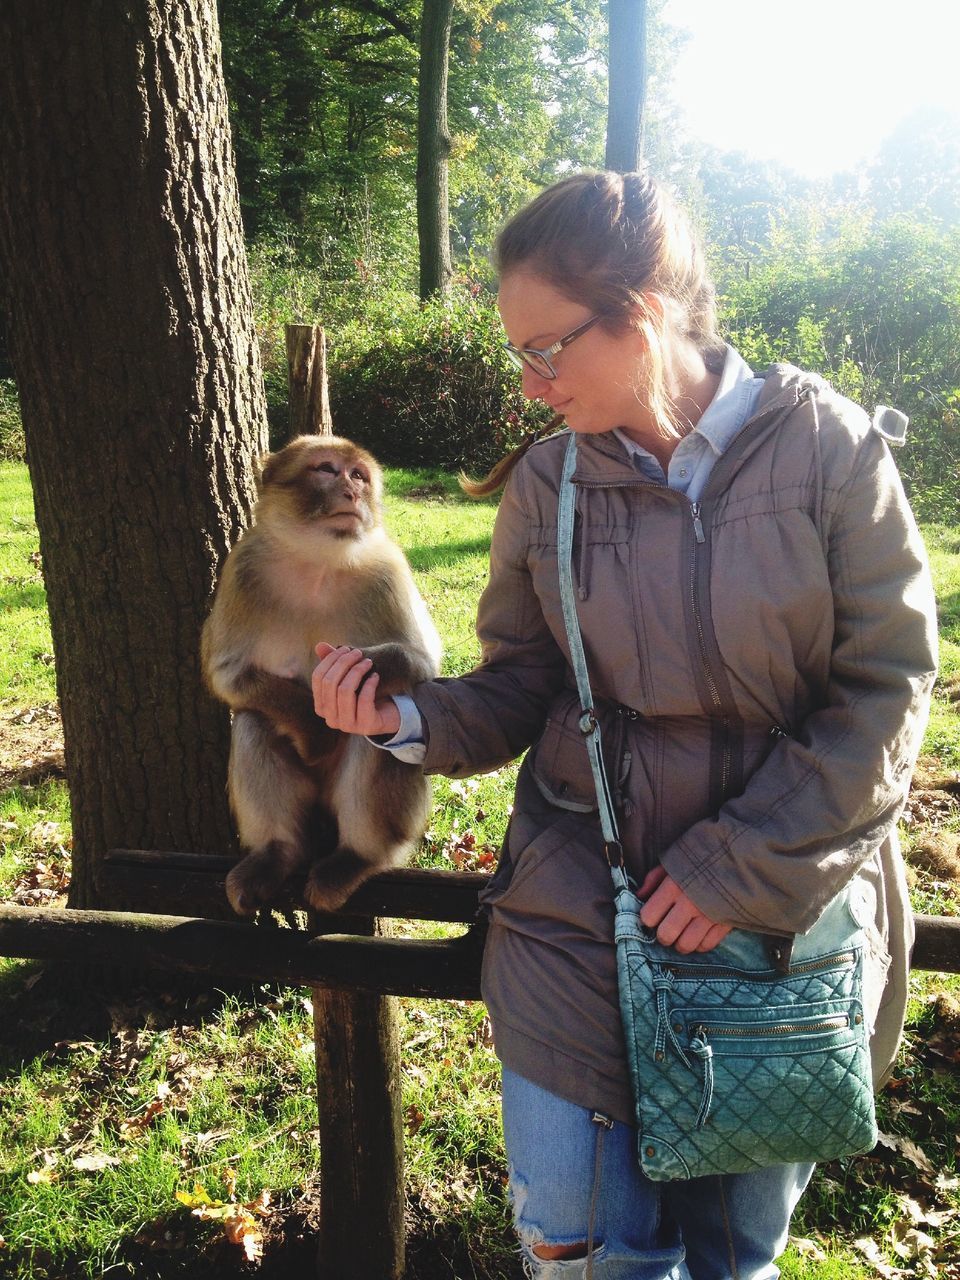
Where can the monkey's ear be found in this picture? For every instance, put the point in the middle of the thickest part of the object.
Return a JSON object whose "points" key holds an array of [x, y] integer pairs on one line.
{"points": [[267, 468]]}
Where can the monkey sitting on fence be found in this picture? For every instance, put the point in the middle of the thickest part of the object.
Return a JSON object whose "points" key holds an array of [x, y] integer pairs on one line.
{"points": [[316, 563]]}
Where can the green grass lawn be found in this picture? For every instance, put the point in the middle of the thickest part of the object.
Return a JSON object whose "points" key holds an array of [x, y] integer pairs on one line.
{"points": [[108, 1141]]}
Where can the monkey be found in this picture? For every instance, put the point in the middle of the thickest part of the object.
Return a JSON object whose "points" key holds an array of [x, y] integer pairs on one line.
{"points": [[315, 564]]}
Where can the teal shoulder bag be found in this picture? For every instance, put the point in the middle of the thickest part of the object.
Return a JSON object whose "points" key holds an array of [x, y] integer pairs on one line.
{"points": [[737, 1061]]}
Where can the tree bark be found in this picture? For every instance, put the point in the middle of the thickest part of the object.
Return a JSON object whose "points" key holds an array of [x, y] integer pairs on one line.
{"points": [[125, 279], [627, 85], [433, 149]]}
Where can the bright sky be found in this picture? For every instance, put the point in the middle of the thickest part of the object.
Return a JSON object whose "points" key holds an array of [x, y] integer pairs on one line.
{"points": [[814, 84]]}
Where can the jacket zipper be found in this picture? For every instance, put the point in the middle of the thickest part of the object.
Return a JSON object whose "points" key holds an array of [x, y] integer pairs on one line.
{"points": [[700, 540], [842, 959]]}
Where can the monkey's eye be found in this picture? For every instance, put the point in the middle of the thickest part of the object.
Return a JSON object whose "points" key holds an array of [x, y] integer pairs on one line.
{"points": [[357, 474], [325, 466]]}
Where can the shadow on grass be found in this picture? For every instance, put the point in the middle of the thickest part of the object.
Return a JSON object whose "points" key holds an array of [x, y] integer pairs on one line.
{"points": [[948, 613], [413, 484], [433, 558], [177, 1245]]}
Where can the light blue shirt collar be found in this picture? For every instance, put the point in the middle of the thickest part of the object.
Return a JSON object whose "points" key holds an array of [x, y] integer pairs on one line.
{"points": [[732, 403], [694, 457]]}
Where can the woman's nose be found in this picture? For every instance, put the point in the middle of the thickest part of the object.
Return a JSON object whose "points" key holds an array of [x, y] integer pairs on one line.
{"points": [[532, 384]]}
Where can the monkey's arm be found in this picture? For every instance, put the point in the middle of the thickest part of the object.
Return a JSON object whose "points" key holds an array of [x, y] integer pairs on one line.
{"points": [[285, 702], [399, 666], [288, 705]]}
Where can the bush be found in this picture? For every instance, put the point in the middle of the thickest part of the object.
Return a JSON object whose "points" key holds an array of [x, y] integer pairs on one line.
{"points": [[430, 385], [876, 310], [12, 443]]}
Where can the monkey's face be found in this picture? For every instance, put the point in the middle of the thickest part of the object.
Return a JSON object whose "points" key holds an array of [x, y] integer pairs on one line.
{"points": [[326, 483]]}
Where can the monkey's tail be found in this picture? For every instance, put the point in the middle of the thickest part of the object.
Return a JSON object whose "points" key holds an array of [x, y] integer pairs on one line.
{"points": [[498, 474]]}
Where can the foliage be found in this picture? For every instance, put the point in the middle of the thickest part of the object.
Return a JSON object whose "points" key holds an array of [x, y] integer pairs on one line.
{"points": [[917, 169], [434, 388], [876, 309], [12, 444], [324, 111]]}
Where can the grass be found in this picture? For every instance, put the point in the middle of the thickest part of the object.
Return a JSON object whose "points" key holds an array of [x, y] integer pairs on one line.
{"points": [[179, 1093], [26, 663]]}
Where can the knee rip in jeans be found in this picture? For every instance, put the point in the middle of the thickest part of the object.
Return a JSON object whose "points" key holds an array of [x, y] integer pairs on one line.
{"points": [[543, 1261], [538, 1252], [560, 1252]]}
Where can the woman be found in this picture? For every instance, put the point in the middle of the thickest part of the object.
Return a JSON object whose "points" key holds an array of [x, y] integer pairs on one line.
{"points": [[759, 629]]}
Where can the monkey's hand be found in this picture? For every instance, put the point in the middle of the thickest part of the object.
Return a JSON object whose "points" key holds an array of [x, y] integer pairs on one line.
{"points": [[345, 693], [399, 666]]}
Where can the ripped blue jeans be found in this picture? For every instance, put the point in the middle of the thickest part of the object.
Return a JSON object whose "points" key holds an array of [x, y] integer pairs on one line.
{"points": [[575, 1181]]}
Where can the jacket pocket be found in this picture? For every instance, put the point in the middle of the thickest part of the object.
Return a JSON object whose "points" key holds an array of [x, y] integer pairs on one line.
{"points": [[561, 769], [559, 891]]}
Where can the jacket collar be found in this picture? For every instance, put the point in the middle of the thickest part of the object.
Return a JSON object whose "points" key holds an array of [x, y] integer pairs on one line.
{"points": [[602, 459]]}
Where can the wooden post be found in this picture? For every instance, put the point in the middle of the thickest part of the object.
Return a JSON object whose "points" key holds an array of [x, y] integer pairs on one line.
{"points": [[354, 1033], [307, 381], [356, 1045]]}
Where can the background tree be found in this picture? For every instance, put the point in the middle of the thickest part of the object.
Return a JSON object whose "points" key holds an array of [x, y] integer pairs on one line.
{"points": [[433, 149], [627, 76], [123, 265], [526, 97], [917, 168]]}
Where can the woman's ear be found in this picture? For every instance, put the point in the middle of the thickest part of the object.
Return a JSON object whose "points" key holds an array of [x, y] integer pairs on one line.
{"points": [[648, 315], [655, 305]]}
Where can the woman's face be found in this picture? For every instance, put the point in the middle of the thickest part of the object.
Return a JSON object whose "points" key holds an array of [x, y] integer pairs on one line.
{"points": [[597, 375]]}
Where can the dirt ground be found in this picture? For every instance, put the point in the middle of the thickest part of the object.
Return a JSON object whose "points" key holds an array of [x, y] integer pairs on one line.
{"points": [[31, 745]]}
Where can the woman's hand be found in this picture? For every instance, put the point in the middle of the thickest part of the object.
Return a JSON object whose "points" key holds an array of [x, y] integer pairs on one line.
{"points": [[345, 693], [679, 922]]}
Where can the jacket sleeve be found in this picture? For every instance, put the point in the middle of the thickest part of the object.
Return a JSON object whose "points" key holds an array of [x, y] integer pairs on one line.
{"points": [[826, 798], [477, 722]]}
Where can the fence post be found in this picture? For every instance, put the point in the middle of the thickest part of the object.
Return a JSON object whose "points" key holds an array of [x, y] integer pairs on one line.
{"points": [[356, 1044], [307, 381], [354, 1032]]}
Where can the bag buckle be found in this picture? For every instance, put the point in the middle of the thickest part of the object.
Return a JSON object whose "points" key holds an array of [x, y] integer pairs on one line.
{"points": [[616, 848]]}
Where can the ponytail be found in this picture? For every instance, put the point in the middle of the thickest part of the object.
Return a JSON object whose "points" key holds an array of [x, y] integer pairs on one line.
{"points": [[499, 473]]}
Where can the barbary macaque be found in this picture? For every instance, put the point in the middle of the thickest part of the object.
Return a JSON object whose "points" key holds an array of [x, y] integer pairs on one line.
{"points": [[315, 565]]}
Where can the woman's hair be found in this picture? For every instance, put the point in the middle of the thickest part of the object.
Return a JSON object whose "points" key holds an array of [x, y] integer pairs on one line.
{"points": [[609, 241]]}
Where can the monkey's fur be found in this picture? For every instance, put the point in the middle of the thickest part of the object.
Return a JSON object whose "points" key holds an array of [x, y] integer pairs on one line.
{"points": [[315, 565]]}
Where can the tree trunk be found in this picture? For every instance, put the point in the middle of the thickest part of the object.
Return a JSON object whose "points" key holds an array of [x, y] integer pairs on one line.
{"points": [[123, 264], [309, 396], [627, 84], [433, 149]]}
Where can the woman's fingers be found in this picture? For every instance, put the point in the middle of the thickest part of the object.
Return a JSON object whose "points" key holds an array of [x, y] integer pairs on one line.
{"points": [[679, 922], [714, 936], [335, 681], [652, 880], [345, 690]]}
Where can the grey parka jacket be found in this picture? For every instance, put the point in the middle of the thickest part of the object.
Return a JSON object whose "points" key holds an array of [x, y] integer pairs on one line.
{"points": [[762, 662]]}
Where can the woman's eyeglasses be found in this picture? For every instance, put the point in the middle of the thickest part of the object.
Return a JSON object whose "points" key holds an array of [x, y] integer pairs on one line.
{"points": [[539, 361]]}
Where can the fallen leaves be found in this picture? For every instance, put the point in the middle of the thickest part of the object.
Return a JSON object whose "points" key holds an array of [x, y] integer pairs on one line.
{"points": [[238, 1220], [95, 1161], [909, 1149]]}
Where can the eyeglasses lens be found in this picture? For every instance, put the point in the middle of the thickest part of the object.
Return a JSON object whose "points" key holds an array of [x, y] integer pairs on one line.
{"points": [[532, 360]]}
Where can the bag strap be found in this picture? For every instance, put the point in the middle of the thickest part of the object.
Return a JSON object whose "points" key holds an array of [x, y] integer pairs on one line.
{"points": [[589, 726]]}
